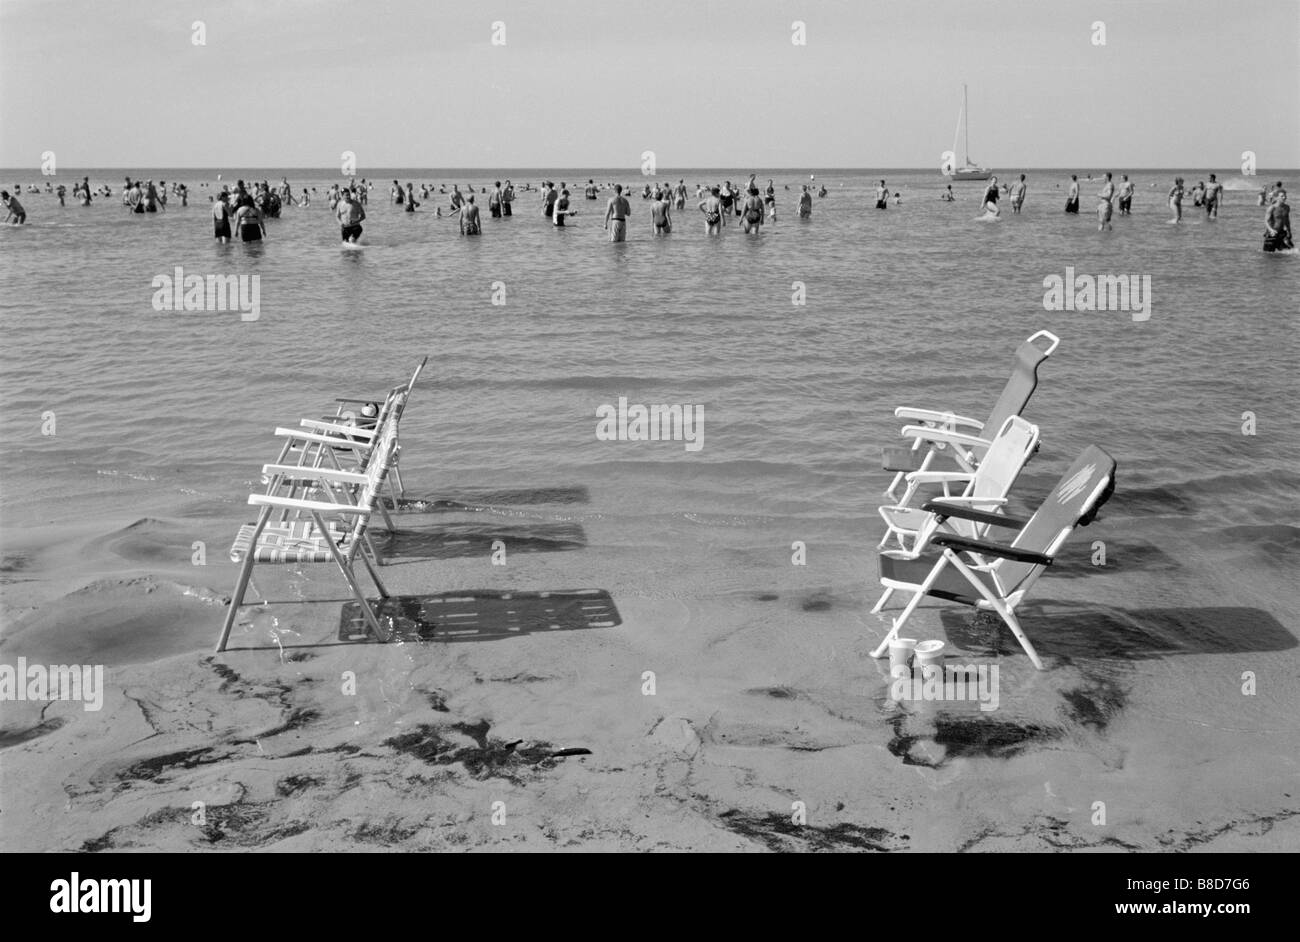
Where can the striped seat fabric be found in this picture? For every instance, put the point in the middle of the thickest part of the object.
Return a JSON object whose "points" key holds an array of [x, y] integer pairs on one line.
{"points": [[295, 541]]}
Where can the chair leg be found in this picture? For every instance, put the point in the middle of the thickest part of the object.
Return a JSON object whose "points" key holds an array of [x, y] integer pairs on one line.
{"points": [[889, 590], [346, 569], [241, 584], [1013, 623]]}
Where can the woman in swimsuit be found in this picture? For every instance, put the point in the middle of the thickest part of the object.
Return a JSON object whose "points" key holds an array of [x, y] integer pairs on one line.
{"points": [[221, 219], [249, 222], [1176, 199]]}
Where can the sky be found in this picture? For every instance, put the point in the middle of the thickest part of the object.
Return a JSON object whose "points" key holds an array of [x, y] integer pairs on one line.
{"points": [[701, 83]]}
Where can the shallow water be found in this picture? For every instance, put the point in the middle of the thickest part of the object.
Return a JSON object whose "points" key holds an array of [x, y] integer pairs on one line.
{"points": [[169, 414]]}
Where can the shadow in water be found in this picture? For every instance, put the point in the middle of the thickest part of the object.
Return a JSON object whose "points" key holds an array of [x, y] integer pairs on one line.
{"points": [[459, 540], [1075, 560], [482, 498], [483, 614], [1092, 632]]}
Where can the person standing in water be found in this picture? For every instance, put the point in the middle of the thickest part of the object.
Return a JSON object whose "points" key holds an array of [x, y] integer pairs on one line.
{"points": [[616, 213], [989, 201], [494, 201], [1213, 196], [947, 195], [1126, 189], [1176, 200], [469, 218], [712, 208], [410, 198], [16, 214], [661, 215], [221, 218], [1018, 195], [507, 197], [882, 196], [1072, 201], [805, 203], [248, 221], [752, 213], [562, 208], [1104, 206], [350, 213], [1277, 225]]}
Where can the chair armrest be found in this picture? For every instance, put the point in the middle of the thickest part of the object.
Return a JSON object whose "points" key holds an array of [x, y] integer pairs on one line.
{"points": [[333, 427], [941, 508], [266, 500], [325, 474], [940, 418], [362, 401], [985, 548], [939, 477], [995, 501], [931, 434], [300, 436]]}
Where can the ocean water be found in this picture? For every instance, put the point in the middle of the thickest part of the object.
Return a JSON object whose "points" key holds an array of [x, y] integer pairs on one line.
{"points": [[169, 414]]}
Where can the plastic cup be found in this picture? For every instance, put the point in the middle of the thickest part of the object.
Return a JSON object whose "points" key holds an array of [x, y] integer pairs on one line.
{"points": [[929, 655], [900, 654]]}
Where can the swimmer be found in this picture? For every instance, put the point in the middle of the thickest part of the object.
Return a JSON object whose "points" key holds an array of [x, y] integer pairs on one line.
{"points": [[1018, 195], [947, 195], [562, 208], [616, 213], [249, 221], [410, 198], [507, 197], [1072, 201], [882, 196], [494, 201]]}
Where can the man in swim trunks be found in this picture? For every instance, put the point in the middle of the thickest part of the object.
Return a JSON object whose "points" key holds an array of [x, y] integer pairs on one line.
{"points": [[805, 203], [469, 218], [221, 218], [1213, 194], [752, 213], [616, 213], [549, 197], [350, 213], [1278, 225], [661, 216], [507, 197], [882, 196], [1126, 189], [562, 208], [1104, 206], [1018, 194], [713, 212], [1072, 201], [17, 215]]}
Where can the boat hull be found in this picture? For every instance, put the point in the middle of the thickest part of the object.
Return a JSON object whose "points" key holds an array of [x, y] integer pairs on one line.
{"points": [[971, 174]]}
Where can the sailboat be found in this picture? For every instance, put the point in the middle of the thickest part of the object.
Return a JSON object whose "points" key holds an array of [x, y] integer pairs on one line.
{"points": [[968, 171]]}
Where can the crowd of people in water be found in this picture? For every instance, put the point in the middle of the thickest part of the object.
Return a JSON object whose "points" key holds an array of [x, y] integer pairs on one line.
{"points": [[242, 209]]}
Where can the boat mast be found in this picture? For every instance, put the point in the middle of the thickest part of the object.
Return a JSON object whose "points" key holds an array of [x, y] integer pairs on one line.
{"points": [[965, 107]]}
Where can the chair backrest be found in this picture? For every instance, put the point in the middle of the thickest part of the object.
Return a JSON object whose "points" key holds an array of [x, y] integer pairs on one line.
{"points": [[1013, 445], [1023, 380], [1074, 501], [382, 459]]}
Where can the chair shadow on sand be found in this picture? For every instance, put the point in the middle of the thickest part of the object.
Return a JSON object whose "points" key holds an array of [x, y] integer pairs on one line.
{"points": [[483, 614], [1081, 632]]}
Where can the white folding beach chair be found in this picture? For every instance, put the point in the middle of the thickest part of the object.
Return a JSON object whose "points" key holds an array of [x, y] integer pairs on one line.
{"points": [[985, 489], [1001, 585], [326, 531], [963, 439]]}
